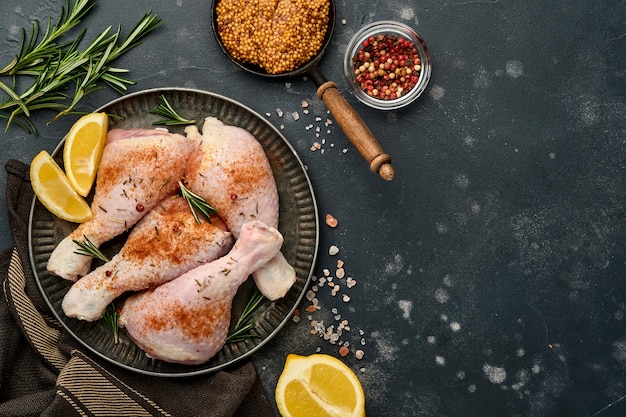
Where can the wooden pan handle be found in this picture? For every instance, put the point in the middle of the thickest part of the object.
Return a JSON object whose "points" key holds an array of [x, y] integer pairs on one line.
{"points": [[355, 129]]}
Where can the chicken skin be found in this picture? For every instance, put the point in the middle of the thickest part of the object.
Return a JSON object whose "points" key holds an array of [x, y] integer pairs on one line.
{"points": [[232, 172], [186, 320], [139, 167], [164, 244]]}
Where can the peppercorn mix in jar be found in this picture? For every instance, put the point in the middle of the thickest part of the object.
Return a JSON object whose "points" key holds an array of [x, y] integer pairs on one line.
{"points": [[387, 66]]}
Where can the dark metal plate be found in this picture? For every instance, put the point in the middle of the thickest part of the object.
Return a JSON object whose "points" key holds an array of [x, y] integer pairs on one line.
{"points": [[298, 223]]}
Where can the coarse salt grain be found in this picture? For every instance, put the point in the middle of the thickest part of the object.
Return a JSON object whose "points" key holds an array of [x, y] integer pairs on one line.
{"points": [[339, 263], [279, 112], [345, 298], [333, 250], [359, 354], [340, 273], [305, 104], [295, 115]]}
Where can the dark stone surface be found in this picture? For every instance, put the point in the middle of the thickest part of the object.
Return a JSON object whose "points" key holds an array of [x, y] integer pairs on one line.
{"points": [[490, 271]]}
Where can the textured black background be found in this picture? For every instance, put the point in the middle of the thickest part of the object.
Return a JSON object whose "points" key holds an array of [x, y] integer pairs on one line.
{"points": [[490, 271]]}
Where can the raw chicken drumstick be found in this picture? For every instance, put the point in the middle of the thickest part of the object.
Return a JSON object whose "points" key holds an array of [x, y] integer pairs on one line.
{"points": [[231, 171], [164, 244], [186, 320], [139, 167]]}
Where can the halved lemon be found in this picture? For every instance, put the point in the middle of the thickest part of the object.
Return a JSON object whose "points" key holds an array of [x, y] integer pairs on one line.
{"points": [[55, 192], [83, 149], [319, 385]]}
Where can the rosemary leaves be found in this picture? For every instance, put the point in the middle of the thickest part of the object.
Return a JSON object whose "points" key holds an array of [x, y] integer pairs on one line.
{"points": [[87, 248], [242, 328], [172, 118], [56, 75], [111, 317], [196, 203]]}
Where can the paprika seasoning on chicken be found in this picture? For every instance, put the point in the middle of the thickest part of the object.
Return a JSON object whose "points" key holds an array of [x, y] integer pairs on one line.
{"points": [[387, 66]]}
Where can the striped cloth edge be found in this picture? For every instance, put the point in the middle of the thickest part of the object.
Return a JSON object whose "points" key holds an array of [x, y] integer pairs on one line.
{"points": [[45, 339], [86, 387], [92, 389]]}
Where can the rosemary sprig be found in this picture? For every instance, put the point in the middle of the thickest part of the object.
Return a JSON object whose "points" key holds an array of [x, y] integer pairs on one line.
{"points": [[172, 118], [87, 248], [242, 328], [33, 54], [55, 67], [196, 203], [111, 317]]}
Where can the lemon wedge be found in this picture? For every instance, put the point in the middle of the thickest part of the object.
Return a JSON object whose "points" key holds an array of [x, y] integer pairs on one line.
{"points": [[83, 149], [319, 385], [55, 192]]}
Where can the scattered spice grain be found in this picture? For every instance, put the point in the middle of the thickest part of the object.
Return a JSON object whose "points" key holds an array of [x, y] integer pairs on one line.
{"points": [[343, 351], [331, 221]]}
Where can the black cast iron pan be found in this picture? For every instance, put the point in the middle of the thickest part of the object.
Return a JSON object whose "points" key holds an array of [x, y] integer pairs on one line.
{"points": [[351, 123]]}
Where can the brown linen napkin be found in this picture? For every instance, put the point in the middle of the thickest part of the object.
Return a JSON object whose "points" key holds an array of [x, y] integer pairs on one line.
{"points": [[44, 371]]}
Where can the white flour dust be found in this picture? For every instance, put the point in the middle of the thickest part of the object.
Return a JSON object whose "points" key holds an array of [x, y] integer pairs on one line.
{"points": [[387, 349], [441, 295], [407, 13], [514, 69], [469, 141], [619, 351], [406, 306], [495, 374], [394, 266], [437, 92], [481, 78], [461, 181]]}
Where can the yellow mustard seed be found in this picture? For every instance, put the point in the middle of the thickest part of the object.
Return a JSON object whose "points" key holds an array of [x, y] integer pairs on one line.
{"points": [[277, 35]]}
